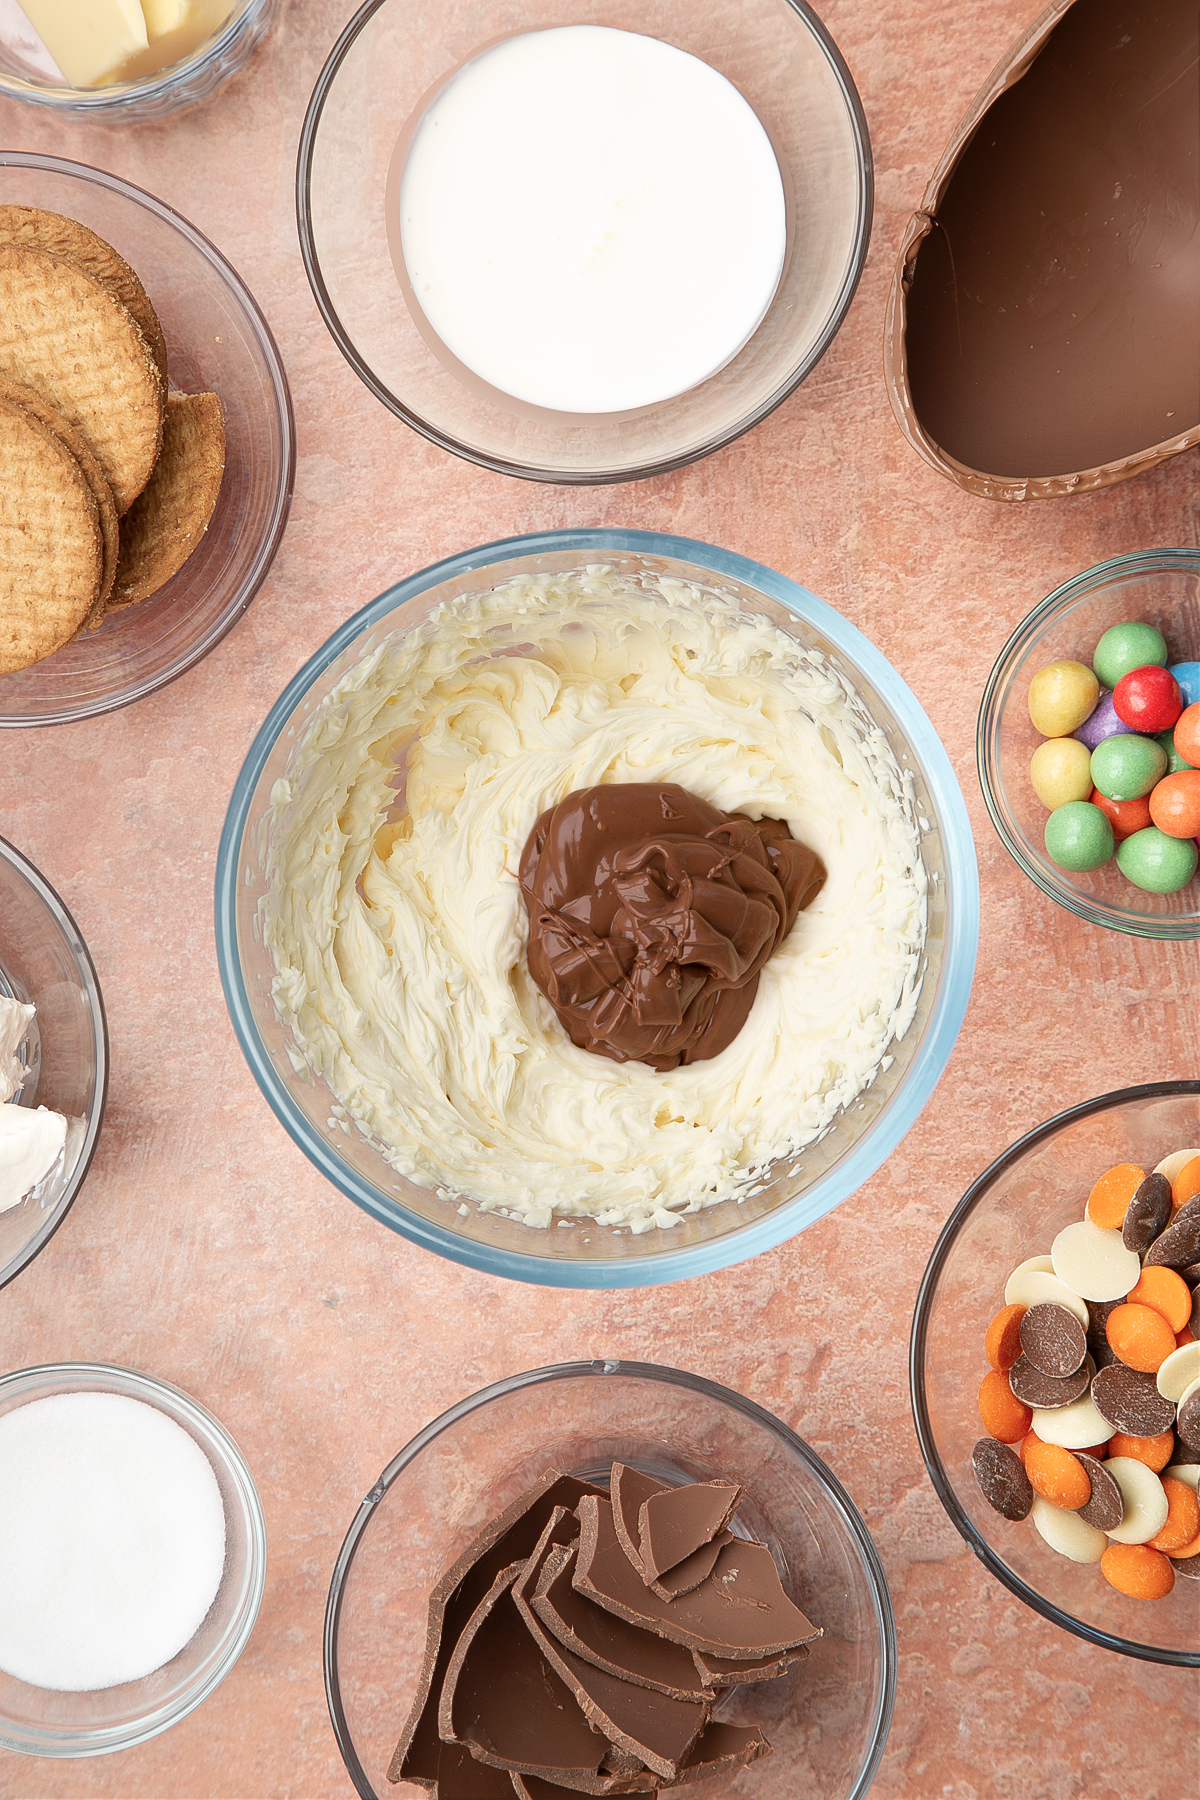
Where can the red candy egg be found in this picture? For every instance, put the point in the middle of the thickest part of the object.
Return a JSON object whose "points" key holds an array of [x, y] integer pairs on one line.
{"points": [[1175, 804], [1148, 699], [1125, 816]]}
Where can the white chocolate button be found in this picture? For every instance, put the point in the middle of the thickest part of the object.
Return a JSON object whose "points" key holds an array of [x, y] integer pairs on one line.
{"points": [[1188, 1473], [1170, 1166], [1033, 1265], [1178, 1372], [1074, 1427], [1038, 1286], [1145, 1498], [1094, 1262], [1067, 1533]]}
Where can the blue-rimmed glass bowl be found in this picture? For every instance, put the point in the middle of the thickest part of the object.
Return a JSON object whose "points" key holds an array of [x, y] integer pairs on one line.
{"points": [[1015, 1210], [1161, 587], [827, 1719], [582, 1253]]}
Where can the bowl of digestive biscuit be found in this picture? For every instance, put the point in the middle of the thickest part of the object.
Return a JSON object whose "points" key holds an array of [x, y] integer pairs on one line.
{"points": [[146, 442]]}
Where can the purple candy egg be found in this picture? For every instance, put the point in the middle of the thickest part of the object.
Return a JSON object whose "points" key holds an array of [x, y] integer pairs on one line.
{"points": [[1102, 722]]}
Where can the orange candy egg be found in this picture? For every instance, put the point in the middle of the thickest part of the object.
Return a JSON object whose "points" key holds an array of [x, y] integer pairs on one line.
{"points": [[1187, 734], [1175, 804], [1125, 816]]}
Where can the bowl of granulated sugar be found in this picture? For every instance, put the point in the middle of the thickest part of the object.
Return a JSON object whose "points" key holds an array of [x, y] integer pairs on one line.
{"points": [[132, 1558]]}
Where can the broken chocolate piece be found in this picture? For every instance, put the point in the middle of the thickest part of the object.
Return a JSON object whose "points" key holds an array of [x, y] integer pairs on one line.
{"points": [[740, 1609], [676, 1523], [629, 1490], [692, 1570], [1147, 1214], [613, 1644], [536, 1787], [506, 1539], [720, 1749], [1053, 1340], [1131, 1402], [1002, 1479], [1106, 1507], [1032, 1388], [724, 1671]]}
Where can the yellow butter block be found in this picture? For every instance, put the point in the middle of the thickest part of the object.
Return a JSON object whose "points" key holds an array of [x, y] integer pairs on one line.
{"points": [[164, 15], [88, 38]]}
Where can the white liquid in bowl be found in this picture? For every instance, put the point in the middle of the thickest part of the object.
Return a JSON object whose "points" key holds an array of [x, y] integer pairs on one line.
{"points": [[592, 221]]}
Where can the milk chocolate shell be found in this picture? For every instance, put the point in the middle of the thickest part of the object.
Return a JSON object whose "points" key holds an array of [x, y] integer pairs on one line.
{"points": [[1043, 331]]}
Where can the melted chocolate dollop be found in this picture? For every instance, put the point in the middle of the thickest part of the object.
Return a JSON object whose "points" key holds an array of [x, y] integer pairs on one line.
{"points": [[651, 914]]}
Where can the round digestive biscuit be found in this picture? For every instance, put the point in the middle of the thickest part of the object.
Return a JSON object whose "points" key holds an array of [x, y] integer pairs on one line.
{"points": [[75, 243], [93, 474], [1106, 1507], [1131, 1402], [1053, 1340], [1147, 1214], [51, 546], [1034, 1388], [1002, 1479], [171, 515], [62, 333]]}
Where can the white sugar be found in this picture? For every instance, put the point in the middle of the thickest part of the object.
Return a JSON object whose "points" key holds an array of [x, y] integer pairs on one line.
{"points": [[112, 1540]]}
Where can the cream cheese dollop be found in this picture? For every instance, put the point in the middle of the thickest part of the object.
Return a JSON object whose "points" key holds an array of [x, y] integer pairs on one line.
{"points": [[15, 1020], [31, 1142], [397, 928]]}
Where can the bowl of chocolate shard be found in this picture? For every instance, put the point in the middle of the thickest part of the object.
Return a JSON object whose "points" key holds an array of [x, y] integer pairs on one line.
{"points": [[609, 1578], [597, 908]]}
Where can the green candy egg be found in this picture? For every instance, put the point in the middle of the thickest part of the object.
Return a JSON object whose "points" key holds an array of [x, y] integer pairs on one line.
{"points": [[1127, 766], [1131, 645], [1156, 863], [1078, 836], [1061, 697], [1061, 770], [1175, 762]]}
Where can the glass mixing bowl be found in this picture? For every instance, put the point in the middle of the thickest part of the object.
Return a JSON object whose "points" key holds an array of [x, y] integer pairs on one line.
{"points": [[385, 67], [44, 1722], [217, 342], [1014, 1211], [582, 1253], [827, 1718], [1161, 587], [44, 962]]}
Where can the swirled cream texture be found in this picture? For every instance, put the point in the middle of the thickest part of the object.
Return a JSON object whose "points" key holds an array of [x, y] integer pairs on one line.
{"points": [[398, 932]]}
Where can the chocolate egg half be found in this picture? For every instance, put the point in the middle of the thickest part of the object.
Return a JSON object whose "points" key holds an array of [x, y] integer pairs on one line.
{"points": [[1043, 329]]}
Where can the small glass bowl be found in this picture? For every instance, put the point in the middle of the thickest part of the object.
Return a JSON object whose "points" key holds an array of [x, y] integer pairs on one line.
{"points": [[1161, 587], [1013, 1211], [219, 342], [582, 1253], [44, 962], [43, 1722], [191, 79], [385, 67], [827, 1718]]}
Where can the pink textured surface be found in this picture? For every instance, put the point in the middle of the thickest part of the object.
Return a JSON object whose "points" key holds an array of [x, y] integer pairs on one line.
{"points": [[204, 1249]]}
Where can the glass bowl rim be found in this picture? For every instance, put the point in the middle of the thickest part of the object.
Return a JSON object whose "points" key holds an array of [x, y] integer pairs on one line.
{"points": [[1136, 562], [285, 481], [500, 465], [82, 958], [82, 101], [642, 1371], [217, 1439], [929, 1061], [942, 1485]]}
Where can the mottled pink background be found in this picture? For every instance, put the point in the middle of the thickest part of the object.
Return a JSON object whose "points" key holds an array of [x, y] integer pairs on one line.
{"points": [[204, 1248]]}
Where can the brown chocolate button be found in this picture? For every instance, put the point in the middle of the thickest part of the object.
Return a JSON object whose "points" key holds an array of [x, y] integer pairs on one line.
{"points": [[1032, 1388], [1147, 1214], [1106, 1508], [1187, 1566], [1131, 1402], [1002, 1479], [1179, 1244], [1187, 1425], [1053, 1340], [1192, 1275]]}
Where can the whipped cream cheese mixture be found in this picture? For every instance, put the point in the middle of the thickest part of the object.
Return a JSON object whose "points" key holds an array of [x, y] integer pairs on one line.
{"points": [[398, 931]]}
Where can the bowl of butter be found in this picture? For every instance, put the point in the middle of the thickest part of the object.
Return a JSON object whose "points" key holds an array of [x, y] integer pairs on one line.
{"points": [[597, 908], [133, 59]]}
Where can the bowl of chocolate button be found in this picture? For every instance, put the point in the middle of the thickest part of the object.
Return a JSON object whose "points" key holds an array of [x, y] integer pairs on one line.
{"points": [[1055, 1370], [1056, 238], [536, 1596], [1094, 792]]}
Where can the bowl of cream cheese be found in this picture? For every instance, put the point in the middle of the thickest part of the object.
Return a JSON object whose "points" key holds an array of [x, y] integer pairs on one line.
{"points": [[409, 950], [53, 1061]]}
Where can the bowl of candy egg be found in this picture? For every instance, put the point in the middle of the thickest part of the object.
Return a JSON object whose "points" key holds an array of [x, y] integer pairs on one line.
{"points": [[1088, 744], [541, 1594], [589, 317], [1055, 1369]]}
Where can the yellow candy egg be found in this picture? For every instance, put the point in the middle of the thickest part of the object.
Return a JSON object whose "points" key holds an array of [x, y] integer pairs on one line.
{"points": [[1061, 770], [1061, 696]]}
